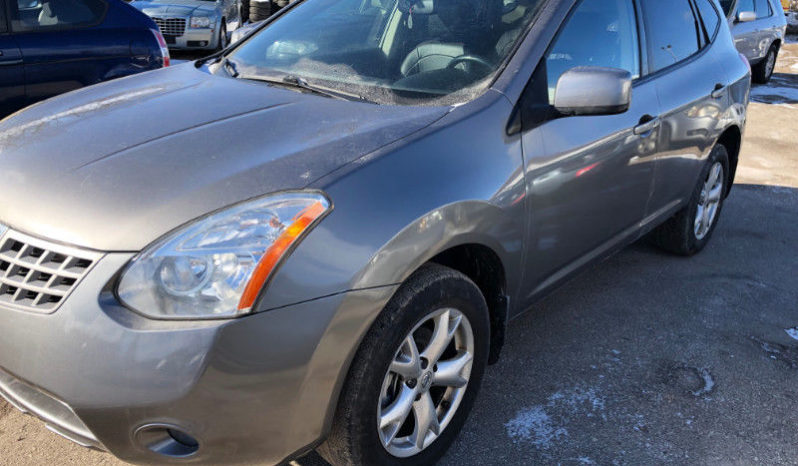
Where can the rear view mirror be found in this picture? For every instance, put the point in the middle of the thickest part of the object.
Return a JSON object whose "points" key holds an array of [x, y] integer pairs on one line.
{"points": [[590, 90], [746, 16]]}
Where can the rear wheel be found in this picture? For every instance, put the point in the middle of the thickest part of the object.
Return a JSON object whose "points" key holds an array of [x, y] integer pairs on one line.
{"points": [[416, 375], [764, 70], [689, 231]]}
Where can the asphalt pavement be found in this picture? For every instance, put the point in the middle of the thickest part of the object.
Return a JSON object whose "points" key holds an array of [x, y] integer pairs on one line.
{"points": [[644, 359]]}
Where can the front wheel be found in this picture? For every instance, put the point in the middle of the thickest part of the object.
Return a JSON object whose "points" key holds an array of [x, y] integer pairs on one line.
{"points": [[689, 231], [416, 375], [221, 41]]}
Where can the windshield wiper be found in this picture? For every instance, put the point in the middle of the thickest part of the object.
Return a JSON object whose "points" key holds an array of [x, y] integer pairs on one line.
{"points": [[301, 83]]}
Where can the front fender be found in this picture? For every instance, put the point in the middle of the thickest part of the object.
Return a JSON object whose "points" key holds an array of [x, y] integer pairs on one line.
{"points": [[462, 223], [459, 183]]}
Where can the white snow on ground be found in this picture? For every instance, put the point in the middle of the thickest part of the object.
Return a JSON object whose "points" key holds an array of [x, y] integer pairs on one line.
{"points": [[792, 332], [709, 383], [537, 426]]}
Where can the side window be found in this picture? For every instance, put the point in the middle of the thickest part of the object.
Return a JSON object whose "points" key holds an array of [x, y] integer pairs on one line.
{"points": [[34, 15], [763, 9], [598, 33], [673, 32], [710, 17], [745, 5]]}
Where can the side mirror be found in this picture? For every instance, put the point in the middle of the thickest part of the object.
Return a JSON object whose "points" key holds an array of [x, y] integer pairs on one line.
{"points": [[746, 16], [590, 90]]}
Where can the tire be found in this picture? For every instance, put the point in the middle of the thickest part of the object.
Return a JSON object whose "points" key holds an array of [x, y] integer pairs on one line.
{"points": [[763, 71], [356, 437], [682, 234], [259, 11], [222, 42]]}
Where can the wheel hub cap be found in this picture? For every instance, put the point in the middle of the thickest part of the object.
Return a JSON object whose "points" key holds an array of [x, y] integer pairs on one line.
{"points": [[426, 382], [709, 201]]}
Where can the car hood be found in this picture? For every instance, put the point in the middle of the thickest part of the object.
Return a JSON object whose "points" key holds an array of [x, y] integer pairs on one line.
{"points": [[115, 166], [177, 8]]}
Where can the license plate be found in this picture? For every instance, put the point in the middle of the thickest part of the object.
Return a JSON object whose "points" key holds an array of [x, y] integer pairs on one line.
{"points": [[170, 40]]}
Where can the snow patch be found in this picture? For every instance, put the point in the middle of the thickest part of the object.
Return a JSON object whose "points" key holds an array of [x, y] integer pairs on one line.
{"points": [[792, 332], [709, 383], [535, 426], [538, 426]]}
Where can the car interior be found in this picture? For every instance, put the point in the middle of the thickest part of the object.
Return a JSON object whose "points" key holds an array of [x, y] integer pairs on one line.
{"points": [[36, 14], [430, 46]]}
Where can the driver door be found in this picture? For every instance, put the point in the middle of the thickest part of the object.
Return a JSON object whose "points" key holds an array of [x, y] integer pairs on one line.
{"points": [[589, 178]]}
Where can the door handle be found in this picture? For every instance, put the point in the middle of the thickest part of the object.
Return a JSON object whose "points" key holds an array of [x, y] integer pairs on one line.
{"points": [[647, 124], [718, 92]]}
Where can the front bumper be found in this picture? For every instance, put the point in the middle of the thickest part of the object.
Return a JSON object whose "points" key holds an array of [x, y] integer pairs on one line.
{"points": [[194, 39], [257, 389]]}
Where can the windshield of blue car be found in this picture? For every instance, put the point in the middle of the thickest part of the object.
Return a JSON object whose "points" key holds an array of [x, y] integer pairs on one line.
{"points": [[389, 51]]}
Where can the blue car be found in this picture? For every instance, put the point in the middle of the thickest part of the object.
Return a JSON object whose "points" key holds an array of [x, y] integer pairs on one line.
{"points": [[48, 47]]}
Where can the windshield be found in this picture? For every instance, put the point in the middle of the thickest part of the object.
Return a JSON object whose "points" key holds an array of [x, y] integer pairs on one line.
{"points": [[390, 51]]}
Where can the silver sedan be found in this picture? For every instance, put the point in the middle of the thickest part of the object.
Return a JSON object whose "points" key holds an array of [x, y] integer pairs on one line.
{"points": [[194, 24]]}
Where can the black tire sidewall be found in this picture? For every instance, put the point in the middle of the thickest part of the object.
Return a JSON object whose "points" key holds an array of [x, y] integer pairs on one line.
{"points": [[362, 391], [222, 36]]}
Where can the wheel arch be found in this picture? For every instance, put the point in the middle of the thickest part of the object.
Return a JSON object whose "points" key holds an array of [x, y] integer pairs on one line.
{"points": [[732, 139], [483, 266]]}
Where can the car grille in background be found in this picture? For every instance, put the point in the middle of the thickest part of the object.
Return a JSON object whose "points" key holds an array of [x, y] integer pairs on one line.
{"points": [[38, 276], [175, 27]]}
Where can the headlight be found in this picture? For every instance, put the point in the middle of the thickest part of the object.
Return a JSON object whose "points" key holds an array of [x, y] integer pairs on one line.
{"points": [[216, 266], [200, 22]]}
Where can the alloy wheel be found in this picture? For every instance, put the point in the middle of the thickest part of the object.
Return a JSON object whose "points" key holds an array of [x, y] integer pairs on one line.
{"points": [[709, 201], [771, 63], [426, 382]]}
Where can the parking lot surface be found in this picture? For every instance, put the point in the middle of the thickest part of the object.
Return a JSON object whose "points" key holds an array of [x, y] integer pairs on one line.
{"points": [[645, 358]]}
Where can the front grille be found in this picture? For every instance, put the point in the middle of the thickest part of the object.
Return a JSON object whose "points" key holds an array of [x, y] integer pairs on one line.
{"points": [[38, 276], [175, 27]]}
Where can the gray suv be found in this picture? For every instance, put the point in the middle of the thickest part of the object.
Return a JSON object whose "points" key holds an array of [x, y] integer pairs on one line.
{"points": [[758, 27], [316, 238]]}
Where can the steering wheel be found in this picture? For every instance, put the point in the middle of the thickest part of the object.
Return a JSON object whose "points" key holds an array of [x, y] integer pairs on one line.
{"points": [[473, 59]]}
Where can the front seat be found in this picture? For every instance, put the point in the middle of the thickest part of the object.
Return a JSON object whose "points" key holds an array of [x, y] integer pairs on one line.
{"points": [[467, 23], [431, 56], [56, 12]]}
